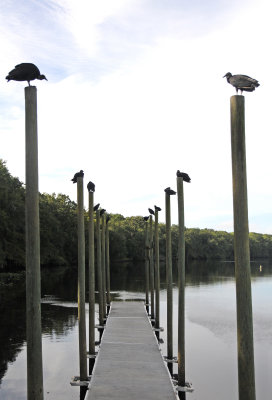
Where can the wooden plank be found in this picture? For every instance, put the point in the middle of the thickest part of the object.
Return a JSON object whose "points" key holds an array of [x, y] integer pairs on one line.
{"points": [[129, 363]]}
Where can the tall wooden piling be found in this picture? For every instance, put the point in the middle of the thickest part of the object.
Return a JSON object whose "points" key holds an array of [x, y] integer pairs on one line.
{"points": [[157, 273], [91, 284], [108, 264], [98, 270], [146, 268], [246, 374], [33, 278], [151, 269], [103, 263], [81, 282], [169, 283], [181, 286]]}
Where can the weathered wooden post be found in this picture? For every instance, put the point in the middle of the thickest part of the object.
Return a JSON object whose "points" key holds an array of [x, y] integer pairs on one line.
{"points": [[151, 267], [181, 176], [103, 261], [146, 244], [157, 272], [99, 273], [108, 264], [33, 277], [169, 280], [81, 282], [91, 190], [246, 374]]}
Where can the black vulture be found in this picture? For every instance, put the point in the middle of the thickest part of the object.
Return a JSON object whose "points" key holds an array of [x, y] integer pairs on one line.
{"points": [[91, 187], [157, 208], [183, 175], [25, 72], [169, 191], [107, 219], [96, 207], [77, 175], [102, 211], [151, 211], [146, 218], [242, 82]]}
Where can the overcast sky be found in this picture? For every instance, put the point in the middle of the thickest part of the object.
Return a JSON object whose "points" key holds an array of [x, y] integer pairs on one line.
{"points": [[135, 92]]}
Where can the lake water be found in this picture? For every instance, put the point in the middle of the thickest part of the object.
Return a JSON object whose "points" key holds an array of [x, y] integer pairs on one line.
{"points": [[211, 351]]}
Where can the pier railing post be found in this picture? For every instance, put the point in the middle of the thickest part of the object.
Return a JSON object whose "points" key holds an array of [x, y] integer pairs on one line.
{"points": [[181, 286], [108, 264], [33, 278], [157, 273], [246, 374], [81, 282], [169, 282], [103, 264], [99, 273], [146, 268], [91, 284], [151, 270]]}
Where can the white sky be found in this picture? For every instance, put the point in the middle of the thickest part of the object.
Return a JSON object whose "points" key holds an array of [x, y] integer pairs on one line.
{"points": [[135, 92]]}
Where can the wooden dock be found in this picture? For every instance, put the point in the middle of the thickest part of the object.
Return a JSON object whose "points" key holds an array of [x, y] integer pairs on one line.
{"points": [[129, 363]]}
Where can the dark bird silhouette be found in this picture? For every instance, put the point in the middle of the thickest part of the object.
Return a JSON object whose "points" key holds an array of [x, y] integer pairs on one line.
{"points": [[102, 211], [107, 219], [146, 218], [157, 208], [183, 175], [169, 191], [91, 187], [96, 207], [151, 211], [242, 82], [25, 72], [77, 175]]}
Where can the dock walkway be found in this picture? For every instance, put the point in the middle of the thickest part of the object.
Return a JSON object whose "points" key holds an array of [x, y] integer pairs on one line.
{"points": [[129, 364]]}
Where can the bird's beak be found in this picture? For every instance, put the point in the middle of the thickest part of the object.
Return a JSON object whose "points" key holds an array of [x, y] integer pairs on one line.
{"points": [[224, 76]]}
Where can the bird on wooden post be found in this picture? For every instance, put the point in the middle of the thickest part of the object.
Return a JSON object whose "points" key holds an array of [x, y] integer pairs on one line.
{"points": [[146, 218], [169, 191], [77, 175], [151, 211], [96, 207], [242, 82], [102, 211], [25, 72], [157, 208], [183, 175], [91, 187], [107, 219]]}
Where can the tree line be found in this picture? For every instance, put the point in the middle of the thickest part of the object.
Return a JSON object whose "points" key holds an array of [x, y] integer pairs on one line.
{"points": [[58, 232]]}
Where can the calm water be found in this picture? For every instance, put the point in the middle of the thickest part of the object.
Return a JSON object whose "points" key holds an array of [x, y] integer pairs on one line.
{"points": [[211, 354]]}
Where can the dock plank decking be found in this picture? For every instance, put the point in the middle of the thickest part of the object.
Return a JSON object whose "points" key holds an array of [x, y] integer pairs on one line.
{"points": [[129, 364]]}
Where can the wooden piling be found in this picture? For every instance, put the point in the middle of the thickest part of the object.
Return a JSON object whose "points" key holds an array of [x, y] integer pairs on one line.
{"points": [[108, 266], [98, 270], [169, 283], [103, 263], [246, 374], [81, 282], [146, 268], [91, 284], [151, 269], [33, 278], [181, 287], [157, 273]]}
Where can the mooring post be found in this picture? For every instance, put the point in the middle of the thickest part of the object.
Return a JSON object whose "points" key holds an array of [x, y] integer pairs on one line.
{"points": [[33, 277], [157, 273], [99, 273], [181, 287], [246, 374], [81, 282], [91, 285], [146, 268], [103, 264], [151, 270], [108, 264], [169, 282]]}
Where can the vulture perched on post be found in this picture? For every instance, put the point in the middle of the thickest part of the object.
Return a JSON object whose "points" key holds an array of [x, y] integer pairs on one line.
{"points": [[151, 211], [77, 175], [169, 191], [157, 208], [96, 207], [242, 82], [183, 175], [146, 218], [107, 219], [102, 211], [25, 72], [91, 187]]}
